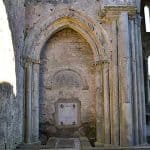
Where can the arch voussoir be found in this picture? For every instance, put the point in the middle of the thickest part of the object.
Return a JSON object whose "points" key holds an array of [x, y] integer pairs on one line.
{"points": [[62, 19]]}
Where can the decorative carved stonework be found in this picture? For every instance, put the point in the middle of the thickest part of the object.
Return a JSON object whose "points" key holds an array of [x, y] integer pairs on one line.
{"points": [[67, 113], [111, 13]]}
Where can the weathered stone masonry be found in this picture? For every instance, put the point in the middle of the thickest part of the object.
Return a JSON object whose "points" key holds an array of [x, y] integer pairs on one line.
{"points": [[11, 106], [87, 52]]}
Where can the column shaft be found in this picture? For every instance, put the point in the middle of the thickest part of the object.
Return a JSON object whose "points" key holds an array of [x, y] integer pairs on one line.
{"points": [[142, 82], [126, 134], [134, 84], [106, 102], [99, 106], [28, 103], [35, 104], [113, 75]]}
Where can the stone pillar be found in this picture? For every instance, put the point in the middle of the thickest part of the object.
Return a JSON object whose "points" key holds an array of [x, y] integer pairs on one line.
{"points": [[114, 86], [35, 104], [28, 102], [99, 106], [140, 82], [106, 91], [134, 84], [140, 124], [125, 102], [31, 101]]}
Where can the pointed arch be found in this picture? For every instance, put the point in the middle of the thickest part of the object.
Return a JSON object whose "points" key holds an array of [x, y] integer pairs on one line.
{"points": [[95, 35]]}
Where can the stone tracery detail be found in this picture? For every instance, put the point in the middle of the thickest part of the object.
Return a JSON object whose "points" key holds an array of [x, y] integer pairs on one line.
{"points": [[66, 78]]}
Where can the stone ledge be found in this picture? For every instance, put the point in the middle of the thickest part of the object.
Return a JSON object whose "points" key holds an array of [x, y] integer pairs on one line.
{"points": [[109, 13], [118, 148]]}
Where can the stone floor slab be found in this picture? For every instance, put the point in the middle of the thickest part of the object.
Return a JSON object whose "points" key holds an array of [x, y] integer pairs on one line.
{"points": [[64, 143]]}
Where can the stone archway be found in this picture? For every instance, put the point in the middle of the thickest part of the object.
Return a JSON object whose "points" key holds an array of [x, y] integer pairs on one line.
{"points": [[67, 73], [35, 41]]}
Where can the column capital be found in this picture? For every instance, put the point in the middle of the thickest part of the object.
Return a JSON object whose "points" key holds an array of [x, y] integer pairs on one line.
{"points": [[28, 61], [100, 63], [109, 13]]}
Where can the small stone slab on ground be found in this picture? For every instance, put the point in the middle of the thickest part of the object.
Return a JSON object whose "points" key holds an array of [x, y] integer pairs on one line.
{"points": [[64, 143]]}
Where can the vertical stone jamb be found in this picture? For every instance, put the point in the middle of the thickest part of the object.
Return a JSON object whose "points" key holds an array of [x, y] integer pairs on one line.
{"points": [[99, 106], [35, 103], [126, 126], [138, 84], [134, 84], [140, 51], [31, 101], [28, 102], [106, 92], [114, 92]]}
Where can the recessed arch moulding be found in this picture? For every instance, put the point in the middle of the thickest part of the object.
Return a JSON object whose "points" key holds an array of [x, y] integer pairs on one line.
{"points": [[94, 34]]}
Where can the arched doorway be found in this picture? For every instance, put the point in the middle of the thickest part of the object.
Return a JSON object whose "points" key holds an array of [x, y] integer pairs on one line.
{"points": [[97, 38], [67, 87]]}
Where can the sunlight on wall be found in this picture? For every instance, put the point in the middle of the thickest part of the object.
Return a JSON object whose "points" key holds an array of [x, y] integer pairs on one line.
{"points": [[147, 18], [149, 65], [7, 60]]}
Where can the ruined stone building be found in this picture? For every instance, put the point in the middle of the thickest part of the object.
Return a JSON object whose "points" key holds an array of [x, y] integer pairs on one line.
{"points": [[81, 69]]}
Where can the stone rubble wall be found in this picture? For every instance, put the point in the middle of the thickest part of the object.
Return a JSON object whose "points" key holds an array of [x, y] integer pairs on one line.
{"points": [[10, 135], [11, 106], [39, 11]]}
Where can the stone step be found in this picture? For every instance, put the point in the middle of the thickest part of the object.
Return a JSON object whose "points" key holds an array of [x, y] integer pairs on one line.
{"points": [[83, 148], [53, 144], [118, 148], [64, 143], [28, 147]]}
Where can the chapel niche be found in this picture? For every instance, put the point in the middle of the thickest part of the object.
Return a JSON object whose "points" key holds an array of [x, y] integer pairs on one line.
{"points": [[67, 83]]}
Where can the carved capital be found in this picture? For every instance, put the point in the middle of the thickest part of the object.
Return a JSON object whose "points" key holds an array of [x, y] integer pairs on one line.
{"points": [[109, 13], [102, 61], [101, 64], [28, 61]]}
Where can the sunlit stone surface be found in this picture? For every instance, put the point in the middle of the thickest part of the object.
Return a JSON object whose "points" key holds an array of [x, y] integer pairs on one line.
{"points": [[73, 70]]}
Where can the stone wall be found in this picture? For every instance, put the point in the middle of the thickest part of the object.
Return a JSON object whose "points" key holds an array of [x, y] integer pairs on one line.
{"points": [[11, 106], [10, 135], [67, 72], [114, 35], [39, 11]]}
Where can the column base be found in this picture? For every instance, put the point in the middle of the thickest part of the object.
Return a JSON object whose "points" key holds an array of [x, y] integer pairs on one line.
{"points": [[98, 144], [33, 145]]}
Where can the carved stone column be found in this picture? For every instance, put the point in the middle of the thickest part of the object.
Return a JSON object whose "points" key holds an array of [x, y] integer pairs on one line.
{"points": [[114, 87], [102, 103], [106, 97], [140, 82], [99, 106], [134, 83], [35, 103], [31, 101], [125, 90], [28, 102]]}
